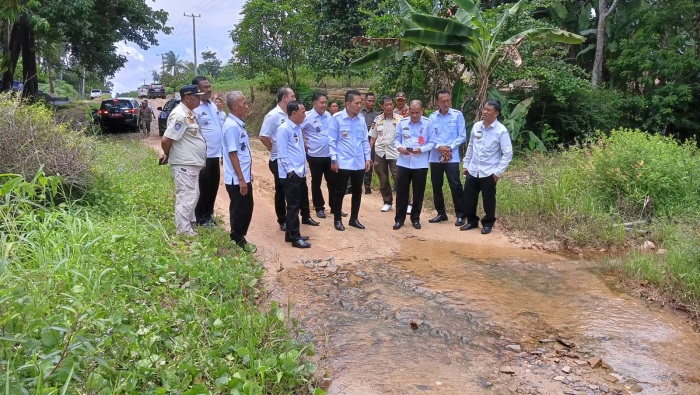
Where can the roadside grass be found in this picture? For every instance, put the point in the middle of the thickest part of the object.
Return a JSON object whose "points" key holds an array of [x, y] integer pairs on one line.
{"points": [[96, 296]]}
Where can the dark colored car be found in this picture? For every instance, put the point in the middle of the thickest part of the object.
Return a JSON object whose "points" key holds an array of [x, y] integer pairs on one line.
{"points": [[156, 90], [118, 114], [164, 113]]}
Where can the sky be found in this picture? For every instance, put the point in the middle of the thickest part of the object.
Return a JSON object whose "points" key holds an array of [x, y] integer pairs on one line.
{"points": [[218, 17]]}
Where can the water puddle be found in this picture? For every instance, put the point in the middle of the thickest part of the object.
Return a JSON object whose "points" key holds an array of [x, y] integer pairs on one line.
{"points": [[469, 320]]}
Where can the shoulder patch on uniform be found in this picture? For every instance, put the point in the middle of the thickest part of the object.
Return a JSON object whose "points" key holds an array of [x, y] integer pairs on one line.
{"points": [[177, 126]]}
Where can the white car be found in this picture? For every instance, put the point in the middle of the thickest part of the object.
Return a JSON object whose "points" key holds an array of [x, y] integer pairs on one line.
{"points": [[143, 91], [95, 93]]}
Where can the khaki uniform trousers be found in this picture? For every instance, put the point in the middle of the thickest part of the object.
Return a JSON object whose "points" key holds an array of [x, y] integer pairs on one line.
{"points": [[186, 180]]}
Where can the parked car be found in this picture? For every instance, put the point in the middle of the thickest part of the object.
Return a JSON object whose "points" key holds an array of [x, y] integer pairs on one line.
{"points": [[118, 114], [164, 113], [156, 90], [143, 91], [95, 93]]}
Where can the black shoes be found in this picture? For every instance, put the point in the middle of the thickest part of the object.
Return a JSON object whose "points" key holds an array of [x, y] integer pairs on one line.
{"points": [[438, 218], [290, 240], [485, 230], [301, 244], [339, 225], [459, 222], [469, 227], [416, 225], [368, 191], [310, 221], [397, 225], [283, 227], [356, 224], [321, 213]]}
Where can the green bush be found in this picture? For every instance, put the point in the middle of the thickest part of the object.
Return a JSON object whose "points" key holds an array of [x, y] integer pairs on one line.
{"points": [[640, 174], [32, 140], [97, 298]]}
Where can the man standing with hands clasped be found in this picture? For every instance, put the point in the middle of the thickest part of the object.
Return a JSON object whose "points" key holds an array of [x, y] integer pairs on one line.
{"points": [[449, 132], [488, 155], [185, 150], [350, 157], [291, 159], [238, 175], [414, 141]]}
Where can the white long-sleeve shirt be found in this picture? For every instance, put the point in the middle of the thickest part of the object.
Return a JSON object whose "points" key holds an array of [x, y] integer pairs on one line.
{"points": [[490, 150]]}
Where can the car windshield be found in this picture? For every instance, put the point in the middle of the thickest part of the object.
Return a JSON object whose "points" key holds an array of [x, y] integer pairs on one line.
{"points": [[115, 105], [96, 90], [170, 105], [157, 85]]}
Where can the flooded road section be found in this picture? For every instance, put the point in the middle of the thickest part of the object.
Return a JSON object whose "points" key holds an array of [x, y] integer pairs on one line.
{"points": [[467, 320]]}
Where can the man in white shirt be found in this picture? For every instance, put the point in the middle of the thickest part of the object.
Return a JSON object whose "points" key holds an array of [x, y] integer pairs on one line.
{"points": [[488, 155], [238, 174], [209, 178]]}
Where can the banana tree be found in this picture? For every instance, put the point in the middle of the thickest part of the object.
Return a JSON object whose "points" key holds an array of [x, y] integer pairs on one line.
{"points": [[465, 35]]}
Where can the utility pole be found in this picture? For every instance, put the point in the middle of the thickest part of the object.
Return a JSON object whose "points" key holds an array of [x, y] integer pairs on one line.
{"points": [[194, 39], [162, 64]]}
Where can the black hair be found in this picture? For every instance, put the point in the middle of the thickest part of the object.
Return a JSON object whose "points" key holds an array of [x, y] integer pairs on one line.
{"points": [[495, 104], [282, 92], [387, 98], [196, 80], [442, 92], [370, 94], [293, 106], [318, 95], [351, 94]]}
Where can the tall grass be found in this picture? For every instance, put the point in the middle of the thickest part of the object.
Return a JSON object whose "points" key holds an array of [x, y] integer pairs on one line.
{"points": [[96, 296]]}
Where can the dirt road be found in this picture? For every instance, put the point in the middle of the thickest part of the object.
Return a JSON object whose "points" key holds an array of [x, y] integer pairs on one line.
{"points": [[442, 311]]}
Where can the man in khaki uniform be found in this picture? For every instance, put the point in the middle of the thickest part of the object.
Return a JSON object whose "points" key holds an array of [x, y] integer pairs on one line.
{"points": [[381, 140], [185, 150]]}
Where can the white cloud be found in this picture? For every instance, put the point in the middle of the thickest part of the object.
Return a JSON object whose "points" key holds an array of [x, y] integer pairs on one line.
{"points": [[131, 52]]}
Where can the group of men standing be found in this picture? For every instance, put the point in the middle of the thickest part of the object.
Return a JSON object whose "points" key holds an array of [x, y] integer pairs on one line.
{"points": [[399, 143]]}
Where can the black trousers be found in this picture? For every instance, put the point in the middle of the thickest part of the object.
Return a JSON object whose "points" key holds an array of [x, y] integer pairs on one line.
{"points": [[280, 208], [368, 175], [355, 177], [406, 177], [320, 168], [295, 191], [209, 178], [240, 212], [437, 171], [472, 187]]}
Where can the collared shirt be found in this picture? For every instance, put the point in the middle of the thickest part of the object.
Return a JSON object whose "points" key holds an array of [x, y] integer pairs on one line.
{"points": [[210, 124], [236, 140], [272, 121], [348, 141], [369, 116], [403, 111], [383, 130], [490, 150], [417, 136], [291, 155], [450, 130], [315, 128], [189, 147]]}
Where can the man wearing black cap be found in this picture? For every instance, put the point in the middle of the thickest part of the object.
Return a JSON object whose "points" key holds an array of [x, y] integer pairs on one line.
{"points": [[185, 150]]}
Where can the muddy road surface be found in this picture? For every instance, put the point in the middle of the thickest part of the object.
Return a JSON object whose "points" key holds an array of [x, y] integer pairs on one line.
{"points": [[443, 311]]}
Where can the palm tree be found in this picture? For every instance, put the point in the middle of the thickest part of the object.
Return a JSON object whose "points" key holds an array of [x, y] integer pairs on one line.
{"points": [[174, 64], [466, 36]]}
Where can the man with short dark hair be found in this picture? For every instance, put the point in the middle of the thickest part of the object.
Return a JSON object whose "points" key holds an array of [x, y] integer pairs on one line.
{"points": [[291, 160], [350, 156], [488, 155], [268, 136], [185, 150], [449, 132], [238, 172], [381, 140], [211, 126], [315, 129], [414, 141], [369, 113], [146, 115]]}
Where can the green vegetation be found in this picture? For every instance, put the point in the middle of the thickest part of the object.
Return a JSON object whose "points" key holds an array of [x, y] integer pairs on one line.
{"points": [[96, 297]]}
